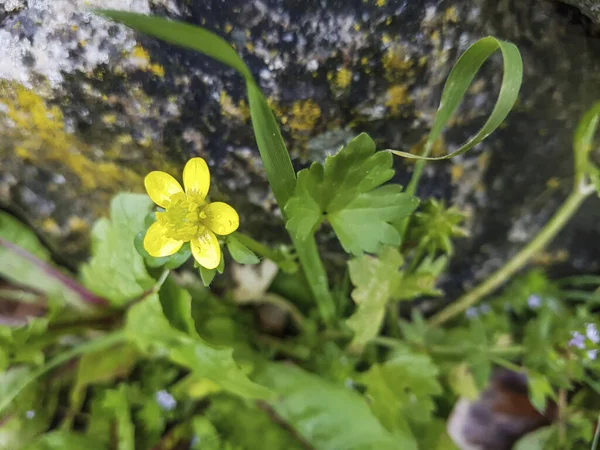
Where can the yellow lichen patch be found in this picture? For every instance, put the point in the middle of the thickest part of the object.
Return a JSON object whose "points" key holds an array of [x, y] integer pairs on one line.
{"points": [[457, 171], [140, 57], [381, 3], [547, 258], [397, 63], [228, 28], [356, 27], [553, 183], [39, 130], [304, 116], [77, 224], [343, 78], [451, 15], [240, 111], [49, 225], [396, 97]]}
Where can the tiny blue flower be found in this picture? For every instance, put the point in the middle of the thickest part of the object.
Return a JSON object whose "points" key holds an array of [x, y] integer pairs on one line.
{"points": [[592, 333], [30, 414], [578, 340], [165, 400], [534, 301], [592, 354]]}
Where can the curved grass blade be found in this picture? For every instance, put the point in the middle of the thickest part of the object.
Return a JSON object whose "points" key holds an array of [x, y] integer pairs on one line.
{"points": [[456, 86]]}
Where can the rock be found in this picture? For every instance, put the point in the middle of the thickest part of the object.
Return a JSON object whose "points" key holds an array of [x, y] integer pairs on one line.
{"points": [[591, 8], [87, 108]]}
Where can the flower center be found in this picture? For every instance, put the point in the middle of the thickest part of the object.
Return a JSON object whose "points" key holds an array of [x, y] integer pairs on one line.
{"points": [[183, 217]]}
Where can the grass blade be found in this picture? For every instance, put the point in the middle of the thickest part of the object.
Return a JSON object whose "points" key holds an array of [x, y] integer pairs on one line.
{"points": [[456, 86]]}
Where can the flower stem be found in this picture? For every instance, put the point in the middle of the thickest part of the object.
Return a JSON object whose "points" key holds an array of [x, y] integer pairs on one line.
{"points": [[547, 233], [316, 276]]}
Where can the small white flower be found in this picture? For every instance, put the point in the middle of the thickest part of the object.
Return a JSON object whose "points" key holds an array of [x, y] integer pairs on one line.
{"points": [[165, 400]]}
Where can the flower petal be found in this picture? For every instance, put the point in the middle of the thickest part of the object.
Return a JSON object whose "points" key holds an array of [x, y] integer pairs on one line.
{"points": [[196, 177], [206, 250], [157, 243], [160, 187], [221, 218]]}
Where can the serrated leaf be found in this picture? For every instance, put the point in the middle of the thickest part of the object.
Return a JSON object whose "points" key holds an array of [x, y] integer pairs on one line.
{"points": [[347, 191], [376, 279], [422, 281], [26, 262], [402, 389], [239, 252], [328, 416], [116, 270], [148, 327]]}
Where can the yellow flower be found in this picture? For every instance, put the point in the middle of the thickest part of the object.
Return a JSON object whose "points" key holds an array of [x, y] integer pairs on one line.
{"points": [[188, 216]]}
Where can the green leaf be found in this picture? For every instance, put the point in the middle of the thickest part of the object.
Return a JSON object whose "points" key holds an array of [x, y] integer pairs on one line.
{"points": [[206, 436], [176, 304], [18, 233], [422, 281], [402, 389], [148, 327], [347, 191], [116, 270], [326, 415], [26, 262], [116, 403], [239, 252], [434, 226], [376, 279], [539, 390], [248, 426], [457, 84], [102, 366], [536, 440], [63, 440], [207, 275]]}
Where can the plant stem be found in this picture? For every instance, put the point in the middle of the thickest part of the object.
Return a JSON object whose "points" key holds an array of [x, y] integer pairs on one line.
{"points": [[596, 436], [562, 419], [547, 233], [316, 276], [394, 319], [105, 341], [411, 189]]}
